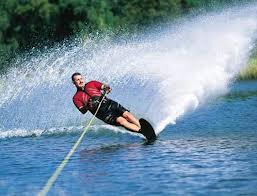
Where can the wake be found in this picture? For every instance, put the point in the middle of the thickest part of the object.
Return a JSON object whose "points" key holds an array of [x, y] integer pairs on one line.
{"points": [[94, 131]]}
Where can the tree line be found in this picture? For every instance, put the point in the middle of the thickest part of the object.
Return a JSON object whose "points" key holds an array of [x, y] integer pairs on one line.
{"points": [[25, 24]]}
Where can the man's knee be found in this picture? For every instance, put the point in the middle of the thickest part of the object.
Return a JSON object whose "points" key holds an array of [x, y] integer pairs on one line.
{"points": [[126, 115], [120, 120]]}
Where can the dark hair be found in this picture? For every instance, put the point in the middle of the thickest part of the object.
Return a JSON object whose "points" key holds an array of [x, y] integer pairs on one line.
{"points": [[75, 74]]}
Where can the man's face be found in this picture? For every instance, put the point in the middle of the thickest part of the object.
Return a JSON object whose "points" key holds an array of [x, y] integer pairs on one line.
{"points": [[79, 81]]}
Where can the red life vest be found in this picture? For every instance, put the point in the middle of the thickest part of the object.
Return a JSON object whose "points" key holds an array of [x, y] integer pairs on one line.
{"points": [[91, 89]]}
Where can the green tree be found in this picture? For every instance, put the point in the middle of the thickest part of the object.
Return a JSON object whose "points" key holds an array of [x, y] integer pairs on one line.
{"points": [[25, 24]]}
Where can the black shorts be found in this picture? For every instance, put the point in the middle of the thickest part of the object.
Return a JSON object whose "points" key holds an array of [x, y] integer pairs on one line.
{"points": [[109, 111]]}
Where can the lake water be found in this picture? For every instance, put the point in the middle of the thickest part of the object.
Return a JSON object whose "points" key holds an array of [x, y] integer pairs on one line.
{"points": [[180, 73], [212, 150]]}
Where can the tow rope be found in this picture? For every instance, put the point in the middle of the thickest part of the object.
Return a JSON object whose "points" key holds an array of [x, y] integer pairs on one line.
{"points": [[59, 169]]}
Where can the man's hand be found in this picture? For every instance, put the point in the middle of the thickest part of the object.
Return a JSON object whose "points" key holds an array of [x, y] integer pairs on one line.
{"points": [[90, 104], [106, 88]]}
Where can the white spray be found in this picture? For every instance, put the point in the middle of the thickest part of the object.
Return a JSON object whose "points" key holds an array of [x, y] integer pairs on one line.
{"points": [[160, 77]]}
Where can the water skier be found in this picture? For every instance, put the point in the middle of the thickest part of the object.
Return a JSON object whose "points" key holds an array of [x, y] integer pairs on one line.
{"points": [[90, 94]]}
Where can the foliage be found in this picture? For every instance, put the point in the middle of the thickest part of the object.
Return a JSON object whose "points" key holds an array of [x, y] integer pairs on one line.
{"points": [[25, 24], [250, 71]]}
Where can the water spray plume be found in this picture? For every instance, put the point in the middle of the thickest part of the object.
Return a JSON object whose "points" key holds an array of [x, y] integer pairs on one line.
{"points": [[160, 77]]}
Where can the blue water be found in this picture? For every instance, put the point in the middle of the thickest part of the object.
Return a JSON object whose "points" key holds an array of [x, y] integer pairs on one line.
{"points": [[212, 150]]}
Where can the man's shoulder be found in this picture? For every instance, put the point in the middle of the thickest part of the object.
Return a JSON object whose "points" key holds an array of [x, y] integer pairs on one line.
{"points": [[93, 83]]}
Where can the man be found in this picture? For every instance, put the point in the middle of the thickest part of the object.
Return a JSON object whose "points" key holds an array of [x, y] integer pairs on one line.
{"points": [[88, 97]]}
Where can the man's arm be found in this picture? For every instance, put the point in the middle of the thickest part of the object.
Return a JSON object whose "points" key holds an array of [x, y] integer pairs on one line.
{"points": [[101, 86], [83, 108]]}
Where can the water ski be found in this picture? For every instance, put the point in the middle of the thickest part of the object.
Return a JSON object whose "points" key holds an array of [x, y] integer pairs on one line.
{"points": [[147, 130]]}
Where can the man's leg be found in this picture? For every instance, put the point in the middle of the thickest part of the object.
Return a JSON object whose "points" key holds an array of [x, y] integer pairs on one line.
{"points": [[126, 124], [130, 118]]}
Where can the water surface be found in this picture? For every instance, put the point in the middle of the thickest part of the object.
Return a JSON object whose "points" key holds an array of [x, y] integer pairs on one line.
{"points": [[212, 150]]}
